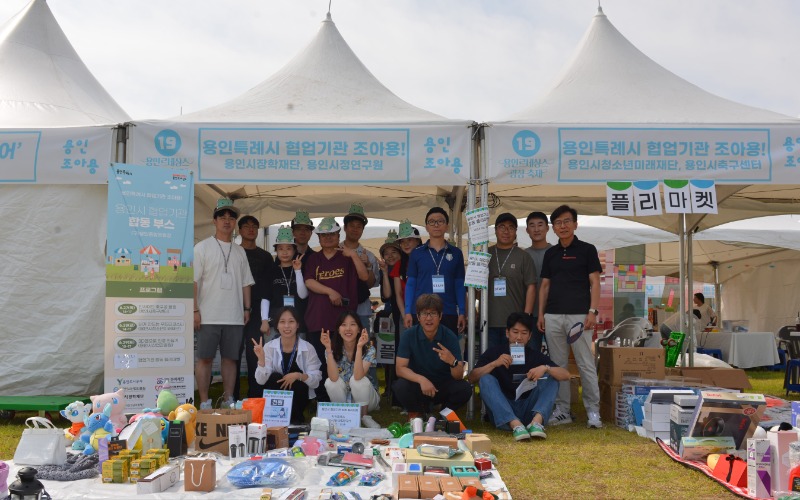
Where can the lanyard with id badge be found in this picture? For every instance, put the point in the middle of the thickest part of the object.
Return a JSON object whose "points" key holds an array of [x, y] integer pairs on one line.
{"points": [[499, 288], [437, 280], [517, 353], [226, 280], [288, 299]]}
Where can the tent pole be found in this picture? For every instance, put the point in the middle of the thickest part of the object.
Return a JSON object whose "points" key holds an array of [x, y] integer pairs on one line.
{"points": [[717, 293], [690, 279], [470, 304], [682, 269]]}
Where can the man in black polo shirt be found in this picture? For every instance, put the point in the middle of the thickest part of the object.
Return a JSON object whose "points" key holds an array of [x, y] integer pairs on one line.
{"points": [[569, 294]]}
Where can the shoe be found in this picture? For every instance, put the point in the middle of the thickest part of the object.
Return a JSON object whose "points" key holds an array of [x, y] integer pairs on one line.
{"points": [[369, 422], [228, 403], [559, 417], [206, 405], [594, 420], [404, 412], [520, 433], [536, 430]]}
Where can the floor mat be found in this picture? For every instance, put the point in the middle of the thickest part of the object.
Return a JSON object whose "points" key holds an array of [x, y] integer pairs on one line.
{"points": [[702, 467]]}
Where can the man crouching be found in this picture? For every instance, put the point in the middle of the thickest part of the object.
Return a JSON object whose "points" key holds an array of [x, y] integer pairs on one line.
{"points": [[517, 383]]}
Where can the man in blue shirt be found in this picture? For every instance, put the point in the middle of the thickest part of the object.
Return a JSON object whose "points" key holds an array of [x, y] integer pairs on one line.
{"points": [[437, 267], [429, 365]]}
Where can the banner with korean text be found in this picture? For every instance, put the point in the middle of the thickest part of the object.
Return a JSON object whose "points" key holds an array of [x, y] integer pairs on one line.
{"points": [[297, 154], [149, 284], [64, 155], [551, 154]]}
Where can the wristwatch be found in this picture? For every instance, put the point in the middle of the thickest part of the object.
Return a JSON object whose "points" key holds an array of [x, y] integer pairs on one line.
{"points": [[594, 311], [455, 362]]}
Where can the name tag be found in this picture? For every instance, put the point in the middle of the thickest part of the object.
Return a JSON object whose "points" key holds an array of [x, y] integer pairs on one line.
{"points": [[517, 354], [499, 287], [288, 301], [226, 281], [437, 283]]}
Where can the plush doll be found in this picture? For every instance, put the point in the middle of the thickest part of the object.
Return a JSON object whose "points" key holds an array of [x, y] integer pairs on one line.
{"points": [[97, 426], [117, 402], [75, 413], [167, 402], [186, 413]]}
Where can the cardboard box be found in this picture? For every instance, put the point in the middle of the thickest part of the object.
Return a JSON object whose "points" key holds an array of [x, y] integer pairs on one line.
{"points": [[727, 414], [676, 432], [115, 471], [280, 436], [680, 415], [729, 378], [759, 468], [478, 443], [237, 442], [257, 439], [407, 487], [160, 480], [470, 481], [438, 440], [619, 362], [428, 487], [463, 459], [694, 448], [449, 484], [779, 453], [212, 428]]}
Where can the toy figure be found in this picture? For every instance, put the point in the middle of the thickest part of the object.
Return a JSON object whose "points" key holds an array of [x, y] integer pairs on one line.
{"points": [[117, 402], [186, 413], [97, 426], [75, 413]]}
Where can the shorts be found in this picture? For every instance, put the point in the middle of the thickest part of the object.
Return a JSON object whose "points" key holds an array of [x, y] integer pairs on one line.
{"points": [[227, 337]]}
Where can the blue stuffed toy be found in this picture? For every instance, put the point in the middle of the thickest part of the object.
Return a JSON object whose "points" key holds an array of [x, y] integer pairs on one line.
{"points": [[98, 425]]}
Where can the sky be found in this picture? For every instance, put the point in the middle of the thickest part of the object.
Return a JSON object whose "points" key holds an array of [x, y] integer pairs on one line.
{"points": [[482, 60]]}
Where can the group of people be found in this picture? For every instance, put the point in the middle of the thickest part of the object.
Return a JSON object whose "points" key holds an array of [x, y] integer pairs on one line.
{"points": [[315, 308]]}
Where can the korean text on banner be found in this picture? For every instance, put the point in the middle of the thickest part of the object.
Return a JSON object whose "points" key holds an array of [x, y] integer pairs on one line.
{"points": [[477, 274]]}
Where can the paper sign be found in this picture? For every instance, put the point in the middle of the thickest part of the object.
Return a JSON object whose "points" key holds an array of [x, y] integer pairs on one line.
{"points": [[647, 198], [477, 275], [385, 347], [277, 408], [345, 415], [677, 197], [704, 197], [619, 198], [478, 221]]}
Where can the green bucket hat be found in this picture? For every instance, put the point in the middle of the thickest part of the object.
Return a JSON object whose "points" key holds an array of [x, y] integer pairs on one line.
{"points": [[356, 212], [391, 241], [406, 230], [301, 218], [284, 237], [328, 225], [225, 204]]}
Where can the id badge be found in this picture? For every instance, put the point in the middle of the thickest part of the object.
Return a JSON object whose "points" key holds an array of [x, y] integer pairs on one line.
{"points": [[288, 301], [226, 281], [438, 283], [499, 287], [517, 354]]}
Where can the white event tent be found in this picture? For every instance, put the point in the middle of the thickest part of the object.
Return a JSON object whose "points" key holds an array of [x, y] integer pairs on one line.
{"points": [[52, 209]]}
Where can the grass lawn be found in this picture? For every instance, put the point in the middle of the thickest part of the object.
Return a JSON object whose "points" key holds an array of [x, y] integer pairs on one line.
{"points": [[574, 462]]}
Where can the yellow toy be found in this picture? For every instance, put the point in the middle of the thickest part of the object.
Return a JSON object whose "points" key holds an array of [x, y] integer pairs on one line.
{"points": [[186, 413]]}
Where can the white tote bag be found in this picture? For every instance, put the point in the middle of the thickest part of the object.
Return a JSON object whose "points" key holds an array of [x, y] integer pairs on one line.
{"points": [[41, 444]]}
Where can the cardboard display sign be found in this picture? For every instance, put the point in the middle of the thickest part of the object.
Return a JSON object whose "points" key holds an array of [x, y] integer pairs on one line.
{"points": [[199, 474], [212, 428]]}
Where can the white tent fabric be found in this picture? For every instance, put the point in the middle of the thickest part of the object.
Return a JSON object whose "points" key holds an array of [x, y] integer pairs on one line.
{"points": [[53, 278]]}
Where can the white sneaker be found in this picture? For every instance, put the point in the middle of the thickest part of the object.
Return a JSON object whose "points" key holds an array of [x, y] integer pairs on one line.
{"points": [[594, 420], [369, 422], [206, 405], [559, 417], [228, 403]]}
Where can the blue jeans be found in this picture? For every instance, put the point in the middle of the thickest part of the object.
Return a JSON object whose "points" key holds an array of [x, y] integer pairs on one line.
{"points": [[503, 410]]}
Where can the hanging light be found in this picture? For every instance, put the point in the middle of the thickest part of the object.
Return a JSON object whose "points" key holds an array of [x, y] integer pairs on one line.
{"points": [[27, 487]]}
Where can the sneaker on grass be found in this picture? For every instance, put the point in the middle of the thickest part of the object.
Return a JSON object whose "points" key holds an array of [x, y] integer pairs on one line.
{"points": [[205, 405], [536, 431], [520, 433], [559, 417], [594, 420]]}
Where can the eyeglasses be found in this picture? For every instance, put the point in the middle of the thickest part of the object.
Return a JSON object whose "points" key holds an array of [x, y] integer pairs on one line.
{"points": [[505, 228], [436, 222], [562, 222], [428, 314]]}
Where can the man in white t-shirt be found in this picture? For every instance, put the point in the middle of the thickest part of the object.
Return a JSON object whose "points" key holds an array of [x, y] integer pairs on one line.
{"points": [[222, 281]]}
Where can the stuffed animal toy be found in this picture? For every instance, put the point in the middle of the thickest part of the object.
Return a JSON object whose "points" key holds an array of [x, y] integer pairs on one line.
{"points": [[75, 413], [167, 402], [117, 402], [186, 413], [97, 426]]}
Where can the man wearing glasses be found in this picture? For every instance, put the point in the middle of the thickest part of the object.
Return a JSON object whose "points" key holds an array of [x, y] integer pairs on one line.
{"points": [[568, 298], [429, 363], [437, 267], [261, 263], [512, 279]]}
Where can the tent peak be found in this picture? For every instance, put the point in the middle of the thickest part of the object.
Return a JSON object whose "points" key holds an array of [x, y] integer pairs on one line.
{"points": [[599, 10]]}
